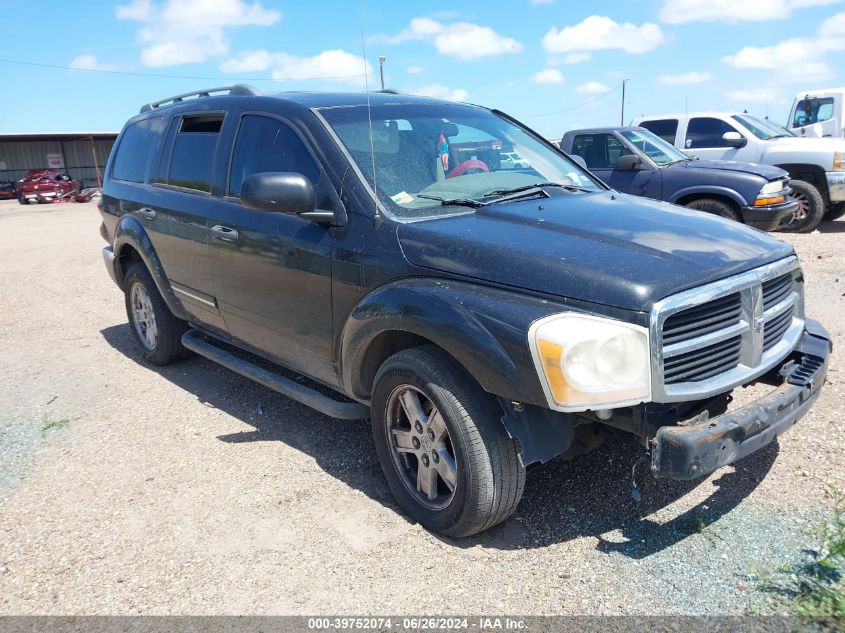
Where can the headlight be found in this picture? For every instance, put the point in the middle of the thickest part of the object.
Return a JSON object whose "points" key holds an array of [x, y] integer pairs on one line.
{"points": [[587, 362], [771, 193], [838, 161], [776, 186]]}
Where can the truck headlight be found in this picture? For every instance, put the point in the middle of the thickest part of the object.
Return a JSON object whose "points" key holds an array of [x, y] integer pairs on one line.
{"points": [[771, 193], [586, 362]]}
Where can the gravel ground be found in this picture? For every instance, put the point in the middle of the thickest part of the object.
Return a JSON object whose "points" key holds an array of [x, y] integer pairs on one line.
{"points": [[126, 489]]}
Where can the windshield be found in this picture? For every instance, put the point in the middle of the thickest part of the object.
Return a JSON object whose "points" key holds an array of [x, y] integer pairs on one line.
{"points": [[426, 160], [764, 130], [655, 147]]}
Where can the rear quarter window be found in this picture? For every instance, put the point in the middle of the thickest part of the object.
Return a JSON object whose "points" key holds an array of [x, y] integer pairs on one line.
{"points": [[135, 149]]}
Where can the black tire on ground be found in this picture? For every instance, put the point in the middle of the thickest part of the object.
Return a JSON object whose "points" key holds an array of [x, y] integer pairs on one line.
{"points": [[714, 206], [810, 211], [159, 336], [488, 477], [22, 200], [834, 212]]}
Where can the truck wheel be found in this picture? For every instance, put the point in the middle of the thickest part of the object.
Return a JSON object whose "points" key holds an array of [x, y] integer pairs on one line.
{"points": [[444, 451], [810, 208], [714, 206], [835, 212], [157, 332]]}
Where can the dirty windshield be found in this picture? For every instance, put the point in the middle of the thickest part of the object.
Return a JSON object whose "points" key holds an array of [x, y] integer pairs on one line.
{"points": [[427, 160]]}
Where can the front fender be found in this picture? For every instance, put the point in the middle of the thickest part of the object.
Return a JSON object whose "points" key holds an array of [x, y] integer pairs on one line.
{"points": [[130, 233], [484, 329], [724, 192]]}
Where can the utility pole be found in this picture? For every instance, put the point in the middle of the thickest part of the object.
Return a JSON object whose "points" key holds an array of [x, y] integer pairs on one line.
{"points": [[622, 119], [381, 61]]}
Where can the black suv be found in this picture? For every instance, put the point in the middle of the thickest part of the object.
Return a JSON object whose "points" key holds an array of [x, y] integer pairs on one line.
{"points": [[484, 318]]}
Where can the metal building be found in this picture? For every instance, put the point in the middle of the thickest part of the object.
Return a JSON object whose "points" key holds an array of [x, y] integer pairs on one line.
{"points": [[83, 155]]}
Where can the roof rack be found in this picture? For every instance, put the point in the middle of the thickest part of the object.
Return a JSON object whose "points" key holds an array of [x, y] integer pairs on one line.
{"points": [[237, 90], [389, 91]]}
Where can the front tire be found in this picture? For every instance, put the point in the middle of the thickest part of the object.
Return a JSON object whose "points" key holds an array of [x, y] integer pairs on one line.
{"points": [[810, 208], [157, 333], [714, 206], [444, 452]]}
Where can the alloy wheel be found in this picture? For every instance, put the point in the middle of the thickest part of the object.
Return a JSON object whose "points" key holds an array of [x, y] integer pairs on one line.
{"points": [[143, 316], [421, 447]]}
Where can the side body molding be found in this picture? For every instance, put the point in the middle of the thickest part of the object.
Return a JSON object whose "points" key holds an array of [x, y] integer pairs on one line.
{"points": [[130, 233]]}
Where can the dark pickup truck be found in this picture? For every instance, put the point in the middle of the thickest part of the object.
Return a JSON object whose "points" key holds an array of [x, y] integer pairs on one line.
{"points": [[483, 317], [636, 161]]}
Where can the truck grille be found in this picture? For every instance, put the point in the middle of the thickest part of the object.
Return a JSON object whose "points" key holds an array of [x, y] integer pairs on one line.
{"points": [[724, 334]]}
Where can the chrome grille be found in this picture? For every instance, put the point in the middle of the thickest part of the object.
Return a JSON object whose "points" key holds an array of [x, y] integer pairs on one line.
{"points": [[724, 334]]}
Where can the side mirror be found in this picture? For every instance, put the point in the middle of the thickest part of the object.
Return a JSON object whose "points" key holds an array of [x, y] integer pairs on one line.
{"points": [[734, 139], [580, 160], [629, 162], [284, 192]]}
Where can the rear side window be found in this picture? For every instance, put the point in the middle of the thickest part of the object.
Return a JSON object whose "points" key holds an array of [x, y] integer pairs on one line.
{"points": [[707, 132], [193, 152], [268, 145], [135, 149], [664, 128]]}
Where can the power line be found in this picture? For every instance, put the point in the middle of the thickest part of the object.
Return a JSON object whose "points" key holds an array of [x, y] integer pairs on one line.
{"points": [[164, 76], [575, 107]]}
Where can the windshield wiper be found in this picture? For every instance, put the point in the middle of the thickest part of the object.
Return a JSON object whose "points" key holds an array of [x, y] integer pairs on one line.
{"points": [[459, 202], [536, 185]]}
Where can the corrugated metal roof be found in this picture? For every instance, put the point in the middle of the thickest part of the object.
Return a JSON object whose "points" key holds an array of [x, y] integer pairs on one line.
{"points": [[60, 136]]}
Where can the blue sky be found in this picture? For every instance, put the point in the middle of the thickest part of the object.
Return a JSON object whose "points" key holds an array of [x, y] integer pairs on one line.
{"points": [[555, 64]]}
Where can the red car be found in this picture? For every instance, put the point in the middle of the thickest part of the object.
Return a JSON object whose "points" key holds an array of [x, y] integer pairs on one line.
{"points": [[45, 185]]}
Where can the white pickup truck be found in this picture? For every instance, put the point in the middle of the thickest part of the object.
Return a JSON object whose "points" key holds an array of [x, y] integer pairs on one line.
{"points": [[816, 166], [819, 113]]}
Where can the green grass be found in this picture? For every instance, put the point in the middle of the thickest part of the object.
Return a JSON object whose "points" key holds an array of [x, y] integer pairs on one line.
{"points": [[814, 587], [50, 424]]}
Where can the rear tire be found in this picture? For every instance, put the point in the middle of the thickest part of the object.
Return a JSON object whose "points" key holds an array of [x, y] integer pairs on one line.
{"points": [[157, 333], [835, 212], [714, 206], [433, 425], [810, 210]]}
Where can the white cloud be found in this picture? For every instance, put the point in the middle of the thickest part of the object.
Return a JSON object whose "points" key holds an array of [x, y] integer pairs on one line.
{"points": [[248, 62], [598, 32], [685, 79], [772, 97], [683, 11], [88, 62], [333, 65], [188, 31], [576, 58], [592, 87], [796, 59], [461, 40], [414, 70], [549, 76], [439, 91]]}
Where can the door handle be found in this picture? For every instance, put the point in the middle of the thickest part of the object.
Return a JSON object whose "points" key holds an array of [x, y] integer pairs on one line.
{"points": [[224, 233], [147, 213]]}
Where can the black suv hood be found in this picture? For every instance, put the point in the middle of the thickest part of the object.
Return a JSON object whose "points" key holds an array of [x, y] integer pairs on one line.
{"points": [[765, 171], [605, 248]]}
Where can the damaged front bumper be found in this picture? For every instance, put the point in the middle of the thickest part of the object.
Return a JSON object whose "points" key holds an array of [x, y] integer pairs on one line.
{"points": [[696, 450]]}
